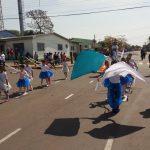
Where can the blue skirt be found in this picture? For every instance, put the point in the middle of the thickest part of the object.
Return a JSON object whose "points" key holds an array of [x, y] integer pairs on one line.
{"points": [[46, 74], [23, 82], [114, 94]]}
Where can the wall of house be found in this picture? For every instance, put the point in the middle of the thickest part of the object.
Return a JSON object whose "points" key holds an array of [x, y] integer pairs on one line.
{"points": [[27, 45], [51, 42]]}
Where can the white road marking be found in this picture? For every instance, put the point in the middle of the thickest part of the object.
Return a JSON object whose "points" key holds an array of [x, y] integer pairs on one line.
{"points": [[10, 135], [109, 144], [69, 96], [147, 63], [57, 82], [91, 81]]}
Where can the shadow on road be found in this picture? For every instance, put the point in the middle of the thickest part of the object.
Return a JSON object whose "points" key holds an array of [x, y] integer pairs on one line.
{"points": [[146, 113], [101, 104], [64, 127], [114, 130], [70, 126], [59, 79], [13, 95], [148, 76], [96, 76]]}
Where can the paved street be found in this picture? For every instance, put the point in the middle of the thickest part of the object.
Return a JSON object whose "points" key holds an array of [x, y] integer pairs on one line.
{"points": [[71, 115]]}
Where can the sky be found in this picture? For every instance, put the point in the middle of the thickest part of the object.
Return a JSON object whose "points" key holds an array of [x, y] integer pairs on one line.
{"points": [[134, 25]]}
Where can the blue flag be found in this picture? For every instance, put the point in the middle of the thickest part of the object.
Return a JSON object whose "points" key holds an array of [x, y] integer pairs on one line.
{"points": [[88, 61]]}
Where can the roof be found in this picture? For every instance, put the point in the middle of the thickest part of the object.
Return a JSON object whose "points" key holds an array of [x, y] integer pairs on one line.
{"points": [[31, 37], [6, 34], [82, 41]]}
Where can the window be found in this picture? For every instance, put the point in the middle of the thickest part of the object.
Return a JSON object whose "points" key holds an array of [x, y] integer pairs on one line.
{"points": [[40, 46], [60, 47], [86, 46], [72, 48], [66, 45]]}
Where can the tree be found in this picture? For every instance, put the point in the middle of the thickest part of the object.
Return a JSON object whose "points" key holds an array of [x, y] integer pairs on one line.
{"points": [[28, 32], [40, 22]]}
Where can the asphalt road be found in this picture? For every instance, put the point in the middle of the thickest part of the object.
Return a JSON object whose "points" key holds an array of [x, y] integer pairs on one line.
{"points": [[71, 115]]}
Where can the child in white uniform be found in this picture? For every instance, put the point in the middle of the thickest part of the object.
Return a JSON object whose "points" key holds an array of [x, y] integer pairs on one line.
{"points": [[65, 68], [24, 80], [4, 85], [29, 70], [45, 73]]}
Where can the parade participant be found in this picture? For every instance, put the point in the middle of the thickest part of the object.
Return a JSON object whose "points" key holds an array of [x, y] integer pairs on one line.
{"points": [[65, 68], [133, 65], [131, 62], [115, 90], [149, 60], [23, 81], [114, 51], [29, 70], [50, 66], [45, 73], [103, 68], [4, 84]]}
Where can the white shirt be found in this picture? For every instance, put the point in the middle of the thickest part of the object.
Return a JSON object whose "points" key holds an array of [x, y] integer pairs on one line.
{"points": [[65, 67], [28, 69], [3, 76], [115, 79], [23, 75], [44, 68]]}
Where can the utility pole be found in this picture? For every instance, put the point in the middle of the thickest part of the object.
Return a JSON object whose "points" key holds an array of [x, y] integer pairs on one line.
{"points": [[1, 18], [94, 42], [21, 16]]}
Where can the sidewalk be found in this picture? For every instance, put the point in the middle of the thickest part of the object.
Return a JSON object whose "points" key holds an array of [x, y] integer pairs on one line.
{"points": [[11, 64]]}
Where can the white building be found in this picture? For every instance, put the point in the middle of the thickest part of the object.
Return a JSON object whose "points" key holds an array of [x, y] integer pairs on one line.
{"points": [[42, 43]]}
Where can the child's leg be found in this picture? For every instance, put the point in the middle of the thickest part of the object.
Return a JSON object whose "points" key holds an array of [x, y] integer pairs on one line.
{"points": [[31, 88], [25, 91], [41, 82], [7, 95], [49, 80], [20, 90], [65, 73]]}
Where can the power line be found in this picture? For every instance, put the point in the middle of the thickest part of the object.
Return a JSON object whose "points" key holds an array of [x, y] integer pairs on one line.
{"points": [[88, 13], [101, 11]]}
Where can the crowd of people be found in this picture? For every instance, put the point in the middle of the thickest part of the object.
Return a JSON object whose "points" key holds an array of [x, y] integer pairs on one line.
{"points": [[117, 85], [26, 75], [55, 59]]}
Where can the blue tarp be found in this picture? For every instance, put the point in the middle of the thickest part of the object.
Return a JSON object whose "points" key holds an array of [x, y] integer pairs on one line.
{"points": [[88, 61]]}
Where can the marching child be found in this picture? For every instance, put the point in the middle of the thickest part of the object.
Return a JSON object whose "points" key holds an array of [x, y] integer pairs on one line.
{"points": [[24, 80], [65, 68], [4, 84], [29, 70], [114, 95], [45, 73]]}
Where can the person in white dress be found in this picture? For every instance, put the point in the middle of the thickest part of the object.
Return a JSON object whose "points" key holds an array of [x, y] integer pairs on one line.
{"points": [[4, 84], [29, 70], [65, 68]]}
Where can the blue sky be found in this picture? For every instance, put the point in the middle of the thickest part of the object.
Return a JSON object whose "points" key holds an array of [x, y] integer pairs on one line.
{"points": [[132, 24]]}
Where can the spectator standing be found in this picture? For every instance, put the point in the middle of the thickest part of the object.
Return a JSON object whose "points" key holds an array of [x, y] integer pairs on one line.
{"points": [[36, 56], [114, 51]]}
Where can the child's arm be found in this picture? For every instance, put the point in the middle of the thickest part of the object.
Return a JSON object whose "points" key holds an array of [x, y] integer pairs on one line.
{"points": [[14, 71]]}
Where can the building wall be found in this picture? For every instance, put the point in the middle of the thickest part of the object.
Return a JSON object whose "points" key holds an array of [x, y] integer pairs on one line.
{"points": [[51, 44], [28, 47]]}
